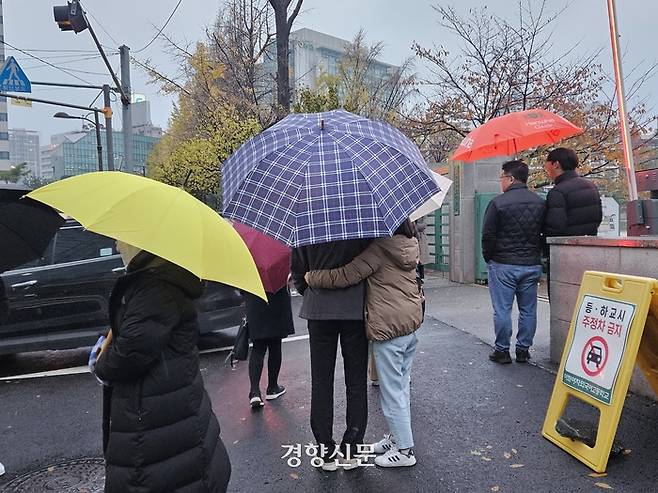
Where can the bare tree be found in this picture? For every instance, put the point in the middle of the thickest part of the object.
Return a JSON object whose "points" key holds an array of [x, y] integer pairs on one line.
{"points": [[283, 23], [504, 66], [240, 41]]}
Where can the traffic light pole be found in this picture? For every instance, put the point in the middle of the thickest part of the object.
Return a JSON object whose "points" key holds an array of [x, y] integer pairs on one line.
{"points": [[71, 17]]}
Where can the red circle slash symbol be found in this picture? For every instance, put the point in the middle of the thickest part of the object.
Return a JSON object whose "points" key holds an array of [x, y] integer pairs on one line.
{"points": [[595, 356]]}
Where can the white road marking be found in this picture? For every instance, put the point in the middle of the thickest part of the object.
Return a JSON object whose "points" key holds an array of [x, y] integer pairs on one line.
{"points": [[85, 369]]}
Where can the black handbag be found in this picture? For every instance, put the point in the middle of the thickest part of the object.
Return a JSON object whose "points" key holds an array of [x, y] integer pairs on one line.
{"points": [[240, 349]]}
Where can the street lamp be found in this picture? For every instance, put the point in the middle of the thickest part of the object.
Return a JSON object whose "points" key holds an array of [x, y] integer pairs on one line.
{"points": [[99, 147]]}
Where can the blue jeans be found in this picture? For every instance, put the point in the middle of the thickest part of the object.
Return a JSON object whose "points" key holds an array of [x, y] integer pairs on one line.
{"points": [[505, 282], [393, 359]]}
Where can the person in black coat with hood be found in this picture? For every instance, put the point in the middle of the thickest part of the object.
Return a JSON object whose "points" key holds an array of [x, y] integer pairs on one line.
{"points": [[159, 431], [268, 323]]}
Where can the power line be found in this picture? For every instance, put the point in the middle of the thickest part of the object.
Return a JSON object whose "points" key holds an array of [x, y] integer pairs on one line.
{"points": [[101, 26], [161, 29], [36, 50], [66, 62], [44, 61]]}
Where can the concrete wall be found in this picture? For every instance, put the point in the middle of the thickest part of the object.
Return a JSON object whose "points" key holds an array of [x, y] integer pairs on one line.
{"points": [[468, 179], [571, 257]]}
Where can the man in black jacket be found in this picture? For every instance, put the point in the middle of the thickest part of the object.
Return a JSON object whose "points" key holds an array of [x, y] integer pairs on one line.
{"points": [[334, 314], [511, 246], [573, 205]]}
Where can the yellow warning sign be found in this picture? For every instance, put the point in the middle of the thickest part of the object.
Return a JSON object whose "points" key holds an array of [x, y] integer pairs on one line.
{"points": [[599, 355]]}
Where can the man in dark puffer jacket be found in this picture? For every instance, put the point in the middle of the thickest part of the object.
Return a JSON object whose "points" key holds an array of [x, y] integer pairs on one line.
{"points": [[573, 205], [159, 431], [511, 246]]}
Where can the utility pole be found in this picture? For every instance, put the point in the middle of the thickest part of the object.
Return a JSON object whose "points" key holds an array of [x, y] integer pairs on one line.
{"points": [[109, 144], [99, 147], [124, 52]]}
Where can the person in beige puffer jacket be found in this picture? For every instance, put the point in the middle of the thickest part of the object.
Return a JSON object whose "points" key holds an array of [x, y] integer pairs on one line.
{"points": [[393, 314]]}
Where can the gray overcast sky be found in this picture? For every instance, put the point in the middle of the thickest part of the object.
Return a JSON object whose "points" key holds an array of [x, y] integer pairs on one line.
{"points": [[29, 25]]}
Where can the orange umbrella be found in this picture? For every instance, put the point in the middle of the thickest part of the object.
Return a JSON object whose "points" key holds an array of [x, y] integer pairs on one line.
{"points": [[509, 134]]}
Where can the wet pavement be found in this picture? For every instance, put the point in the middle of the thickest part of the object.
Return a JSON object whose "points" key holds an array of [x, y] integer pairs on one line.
{"points": [[477, 425]]}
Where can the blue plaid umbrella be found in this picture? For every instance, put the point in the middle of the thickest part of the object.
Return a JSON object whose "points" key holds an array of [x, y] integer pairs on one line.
{"points": [[319, 177]]}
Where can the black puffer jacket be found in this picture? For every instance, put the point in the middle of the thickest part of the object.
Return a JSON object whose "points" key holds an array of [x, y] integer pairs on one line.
{"points": [[573, 207], [159, 430], [511, 232]]}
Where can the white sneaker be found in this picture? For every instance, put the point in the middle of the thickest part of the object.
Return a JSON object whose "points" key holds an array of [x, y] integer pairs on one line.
{"points": [[349, 464], [395, 458], [2, 469], [331, 465], [384, 445]]}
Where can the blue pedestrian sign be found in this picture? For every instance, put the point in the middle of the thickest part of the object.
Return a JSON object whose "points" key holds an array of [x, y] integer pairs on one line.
{"points": [[12, 77]]}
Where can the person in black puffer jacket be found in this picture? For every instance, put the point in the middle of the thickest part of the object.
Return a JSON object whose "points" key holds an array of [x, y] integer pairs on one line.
{"points": [[159, 431], [511, 246], [573, 205]]}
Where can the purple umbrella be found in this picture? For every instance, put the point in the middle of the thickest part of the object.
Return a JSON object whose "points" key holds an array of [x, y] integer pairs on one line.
{"points": [[319, 177]]}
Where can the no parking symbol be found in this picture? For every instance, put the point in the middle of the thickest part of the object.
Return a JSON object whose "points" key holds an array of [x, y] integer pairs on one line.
{"points": [[595, 356], [598, 345]]}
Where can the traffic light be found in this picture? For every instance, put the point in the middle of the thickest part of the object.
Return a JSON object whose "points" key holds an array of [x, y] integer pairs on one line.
{"points": [[70, 17]]}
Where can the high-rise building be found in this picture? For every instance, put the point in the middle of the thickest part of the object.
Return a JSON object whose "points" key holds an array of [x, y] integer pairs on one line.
{"points": [[74, 153], [5, 162], [313, 53], [47, 172], [24, 148], [142, 124]]}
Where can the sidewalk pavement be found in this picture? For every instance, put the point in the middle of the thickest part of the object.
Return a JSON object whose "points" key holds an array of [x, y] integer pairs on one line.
{"points": [[467, 307], [477, 425], [477, 428]]}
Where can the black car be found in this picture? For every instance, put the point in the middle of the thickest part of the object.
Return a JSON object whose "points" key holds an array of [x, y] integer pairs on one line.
{"points": [[61, 300]]}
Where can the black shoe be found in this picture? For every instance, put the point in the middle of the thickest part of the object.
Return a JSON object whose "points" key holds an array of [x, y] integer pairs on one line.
{"points": [[255, 400], [275, 392], [522, 355], [501, 357]]}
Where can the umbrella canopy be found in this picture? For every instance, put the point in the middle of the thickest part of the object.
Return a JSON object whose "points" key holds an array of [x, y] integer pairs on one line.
{"points": [[435, 201], [509, 134], [159, 218], [271, 256], [26, 228], [319, 177]]}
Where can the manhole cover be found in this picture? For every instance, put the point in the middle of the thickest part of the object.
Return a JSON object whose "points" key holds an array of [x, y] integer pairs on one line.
{"points": [[75, 476]]}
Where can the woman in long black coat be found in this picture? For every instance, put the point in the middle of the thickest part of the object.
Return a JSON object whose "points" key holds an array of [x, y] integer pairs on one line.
{"points": [[159, 431], [268, 323]]}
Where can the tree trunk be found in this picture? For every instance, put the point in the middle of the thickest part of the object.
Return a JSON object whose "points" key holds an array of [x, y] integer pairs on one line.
{"points": [[282, 61], [283, 26]]}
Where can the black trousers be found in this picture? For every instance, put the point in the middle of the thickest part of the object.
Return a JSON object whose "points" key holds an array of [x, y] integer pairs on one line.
{"points": [[324, 336], [256, 358]]}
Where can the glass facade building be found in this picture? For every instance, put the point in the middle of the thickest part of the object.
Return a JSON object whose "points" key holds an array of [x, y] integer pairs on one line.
{"points": [[75, 153]]}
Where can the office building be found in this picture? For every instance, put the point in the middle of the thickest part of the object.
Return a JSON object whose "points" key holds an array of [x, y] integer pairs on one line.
{"points": [[24, 148]]}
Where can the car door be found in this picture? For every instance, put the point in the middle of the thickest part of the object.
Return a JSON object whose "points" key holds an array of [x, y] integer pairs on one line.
{"points": [[63, 302]]}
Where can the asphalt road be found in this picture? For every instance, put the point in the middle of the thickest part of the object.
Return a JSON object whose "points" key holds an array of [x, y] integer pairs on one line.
{"points": [[477, 426]]}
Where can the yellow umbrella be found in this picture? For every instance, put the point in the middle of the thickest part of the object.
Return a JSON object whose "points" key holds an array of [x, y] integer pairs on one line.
{"points": [[159, 218]]}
